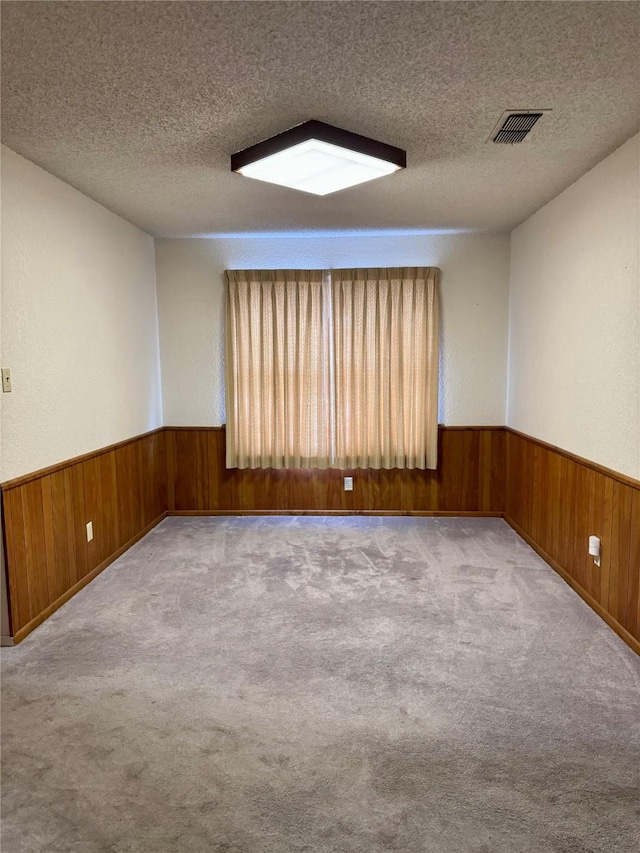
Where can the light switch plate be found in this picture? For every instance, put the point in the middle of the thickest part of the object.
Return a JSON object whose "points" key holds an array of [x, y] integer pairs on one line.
{"points": [[89, 531], [348, 484], [6, 380]]}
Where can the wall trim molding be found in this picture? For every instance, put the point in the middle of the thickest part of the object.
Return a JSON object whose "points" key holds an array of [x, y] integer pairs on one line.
{"points": [[418, 513], [554, 500], [469, 478], [223, 427], [59, 466], [220, 428], [55, 605], [594, 466], [622, 632], [121, 489], [67, 463], [539, 492], [472, 427]]}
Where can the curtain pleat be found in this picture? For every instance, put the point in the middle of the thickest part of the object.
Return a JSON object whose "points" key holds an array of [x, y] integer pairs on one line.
{"points": [[332, 369]]}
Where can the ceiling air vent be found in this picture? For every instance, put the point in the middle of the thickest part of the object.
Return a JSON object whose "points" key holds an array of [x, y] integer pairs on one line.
{"points": [[516, 126]]}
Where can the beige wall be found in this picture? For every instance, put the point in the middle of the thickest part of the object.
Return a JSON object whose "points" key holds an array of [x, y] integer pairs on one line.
{"points": [[574, 354], [79, 312], [79, 322], [474, 300]]}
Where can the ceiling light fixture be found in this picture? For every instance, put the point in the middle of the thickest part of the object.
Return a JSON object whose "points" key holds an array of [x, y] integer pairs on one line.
{"points": [[318, 158]]}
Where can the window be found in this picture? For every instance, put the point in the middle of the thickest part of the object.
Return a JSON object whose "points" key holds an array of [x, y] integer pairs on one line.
{"points": [[332, 369]]}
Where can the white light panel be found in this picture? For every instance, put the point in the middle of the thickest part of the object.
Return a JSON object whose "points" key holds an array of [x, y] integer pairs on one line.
{"points": [[318, 167]]}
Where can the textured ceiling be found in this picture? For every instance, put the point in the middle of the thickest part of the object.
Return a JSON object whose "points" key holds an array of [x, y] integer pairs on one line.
{"points": [[140, 104]]}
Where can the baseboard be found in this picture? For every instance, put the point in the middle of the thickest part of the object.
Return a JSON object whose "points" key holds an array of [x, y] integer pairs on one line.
{"points": [[340, 512], [40, 618], [584, 595]]}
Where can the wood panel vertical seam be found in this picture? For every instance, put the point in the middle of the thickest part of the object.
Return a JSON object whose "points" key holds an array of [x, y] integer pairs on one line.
{"points": [[171, 470]]}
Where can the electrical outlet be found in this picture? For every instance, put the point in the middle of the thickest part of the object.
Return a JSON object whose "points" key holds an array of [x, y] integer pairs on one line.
{"points": [[89, 531], [348, 484], [6, 380]]}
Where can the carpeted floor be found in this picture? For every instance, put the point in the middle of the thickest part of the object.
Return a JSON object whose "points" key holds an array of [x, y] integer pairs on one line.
{"points": [[329, 685]]}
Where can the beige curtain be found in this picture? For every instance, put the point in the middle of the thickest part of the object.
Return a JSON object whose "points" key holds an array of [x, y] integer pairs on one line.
{"points": [[277, 365], [333, 369], [385, 342]]}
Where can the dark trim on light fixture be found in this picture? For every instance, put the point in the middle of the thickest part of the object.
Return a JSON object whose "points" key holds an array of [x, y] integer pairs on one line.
{"points": [[324, 133]]}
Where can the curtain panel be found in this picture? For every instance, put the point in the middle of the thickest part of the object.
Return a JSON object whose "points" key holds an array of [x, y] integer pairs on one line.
{"points": [[277, 363], [385, 336], [332, 369]]}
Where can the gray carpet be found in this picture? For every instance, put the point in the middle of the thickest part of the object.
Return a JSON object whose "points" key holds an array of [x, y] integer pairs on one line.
{"points": [[330, 685]]}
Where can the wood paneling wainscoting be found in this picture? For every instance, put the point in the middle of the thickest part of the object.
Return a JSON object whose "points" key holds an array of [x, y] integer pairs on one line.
{"points": [[122, 489], [552, 498], [469, 479], [555, 501], [127, 488]]}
